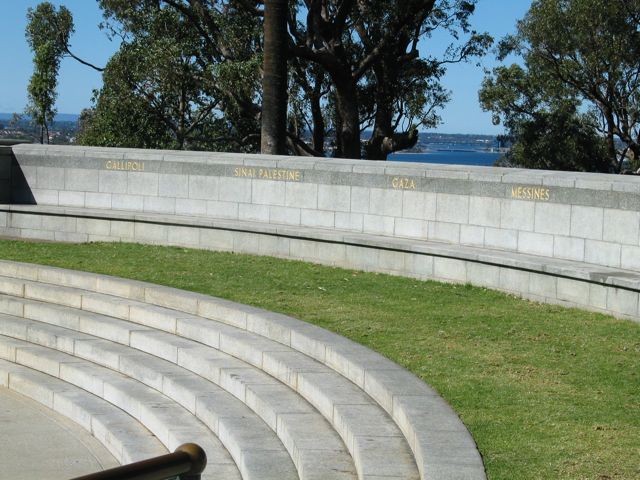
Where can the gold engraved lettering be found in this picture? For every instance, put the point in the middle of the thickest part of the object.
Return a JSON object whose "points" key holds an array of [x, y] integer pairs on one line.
{"points": [[531, 193], [278, 174], [244, 172], [124, 166], [403, 183]]}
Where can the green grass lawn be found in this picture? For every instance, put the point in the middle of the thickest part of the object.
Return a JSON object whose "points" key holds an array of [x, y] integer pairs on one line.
{"points": [[547, 392]]}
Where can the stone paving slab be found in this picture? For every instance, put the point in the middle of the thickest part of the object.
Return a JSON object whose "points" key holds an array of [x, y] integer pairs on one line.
{"points": [[51, 442], [171, 424], [127, 440]]}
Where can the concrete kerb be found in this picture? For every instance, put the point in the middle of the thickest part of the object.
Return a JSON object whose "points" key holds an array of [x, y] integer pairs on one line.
{"points": [[321, 345]]}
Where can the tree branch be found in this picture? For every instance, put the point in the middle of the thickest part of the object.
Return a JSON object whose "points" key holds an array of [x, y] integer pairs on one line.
{"points": [[83, 62]]}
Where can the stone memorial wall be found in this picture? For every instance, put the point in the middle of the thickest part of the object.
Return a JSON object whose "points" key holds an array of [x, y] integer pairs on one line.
{"points": [[430, 221]]}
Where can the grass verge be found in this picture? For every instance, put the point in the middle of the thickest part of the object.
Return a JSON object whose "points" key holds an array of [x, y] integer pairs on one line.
{"points": [[546, 392]]}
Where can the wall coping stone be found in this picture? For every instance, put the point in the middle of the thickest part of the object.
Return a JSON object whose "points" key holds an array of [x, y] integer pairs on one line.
{"points": [[576, 180]]}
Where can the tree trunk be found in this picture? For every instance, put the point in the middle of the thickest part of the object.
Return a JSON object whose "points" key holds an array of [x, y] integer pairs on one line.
{"points": [[274, 83], [377, 148], [317, 116], [347, 106], [610, 139], [384, 140], [337, 125]]}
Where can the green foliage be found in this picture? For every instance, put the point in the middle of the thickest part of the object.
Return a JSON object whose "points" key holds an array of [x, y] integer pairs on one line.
{"points": [[578, 56], [48, 31], [547, 392], [174, 85], [557, 140], [369, 50], [191, 72]]}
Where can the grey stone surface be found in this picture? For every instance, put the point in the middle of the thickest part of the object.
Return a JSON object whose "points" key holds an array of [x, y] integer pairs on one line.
{"points": [[621, 227], [112, 181], [140, 183], [552, 218], [588, 218], [136, 399], [50, 178], [126, 439], [59, 447], [444, 232], [587, 222], [485, 211], [128, 202], [80, 180], [452, 208], [385, 202], [517, 215], [51, 197], [569, 248], [602, 253], [501, 239], [535, 244], [472, 235], [253, 388]]}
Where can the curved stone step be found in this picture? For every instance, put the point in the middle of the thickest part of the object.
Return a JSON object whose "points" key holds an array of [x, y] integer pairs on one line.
{"points": [[375, 442], [126, 438], [242, 432], [170, 423], [315, 449], [441, 444]]}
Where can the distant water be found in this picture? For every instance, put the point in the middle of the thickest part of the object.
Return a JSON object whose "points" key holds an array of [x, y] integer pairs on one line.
{"points": [[449, 157]]}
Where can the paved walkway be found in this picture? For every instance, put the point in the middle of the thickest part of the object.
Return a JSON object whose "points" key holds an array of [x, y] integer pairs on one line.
{"points": [[35, 442]]}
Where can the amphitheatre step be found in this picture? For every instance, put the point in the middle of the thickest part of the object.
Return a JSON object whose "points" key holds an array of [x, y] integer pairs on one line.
{"points": [[240, 430], [125, 438], [305, 433], [170, 423], [441, 445], [374, 440]]}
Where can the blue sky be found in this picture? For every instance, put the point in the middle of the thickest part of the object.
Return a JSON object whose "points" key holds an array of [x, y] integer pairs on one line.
{"points": [[76, 82]]}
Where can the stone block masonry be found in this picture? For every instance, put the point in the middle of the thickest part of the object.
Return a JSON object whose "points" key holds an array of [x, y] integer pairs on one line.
{"points": [[268, 204]]}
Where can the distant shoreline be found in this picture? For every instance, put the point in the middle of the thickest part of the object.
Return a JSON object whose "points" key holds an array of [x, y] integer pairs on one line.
{"points": [[449, 157], [60, 117]]}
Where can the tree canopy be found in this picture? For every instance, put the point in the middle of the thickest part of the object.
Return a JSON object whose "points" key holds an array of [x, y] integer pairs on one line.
{"points": [[193, 70], [580, 78], [47, 34]]}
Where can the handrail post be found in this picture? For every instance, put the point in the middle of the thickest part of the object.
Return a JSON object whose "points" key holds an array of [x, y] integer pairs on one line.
{"points": [[198, 460], [187, 462]]}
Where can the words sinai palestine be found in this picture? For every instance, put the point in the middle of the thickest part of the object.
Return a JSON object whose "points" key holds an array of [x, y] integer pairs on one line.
{"points": [[268, 173]]}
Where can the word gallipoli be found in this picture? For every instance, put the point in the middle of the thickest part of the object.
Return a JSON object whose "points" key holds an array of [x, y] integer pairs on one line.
{"points": [[126, 166]]}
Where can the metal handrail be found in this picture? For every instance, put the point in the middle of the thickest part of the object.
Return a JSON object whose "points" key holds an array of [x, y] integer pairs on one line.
{"points": [[187, 462]]}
